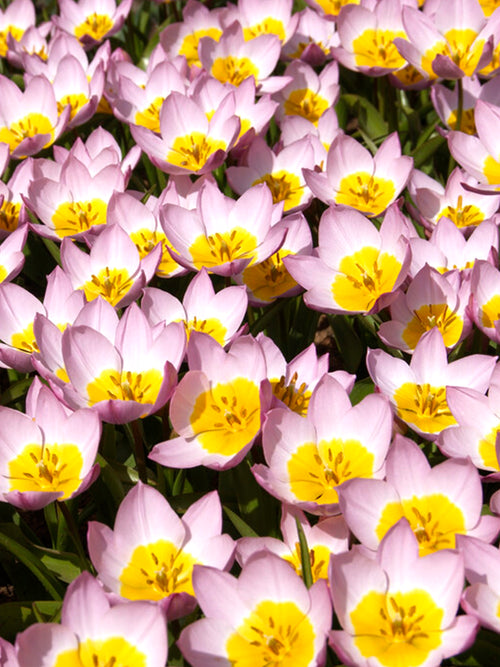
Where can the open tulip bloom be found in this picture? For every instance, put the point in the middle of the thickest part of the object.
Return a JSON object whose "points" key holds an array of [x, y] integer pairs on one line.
{"points": [[398, 610], [418, 391], [218, 406], [309, 457], [355, 268], [439, 503], [266, 616], [354, 178], [150, 554], [94, 632], [127, 375], [47, 454]]}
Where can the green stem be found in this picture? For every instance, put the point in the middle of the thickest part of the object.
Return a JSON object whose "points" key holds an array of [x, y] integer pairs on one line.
{"points": [[75, 535], [460, 106], [304, 556], [138, 445], [458, 124]]}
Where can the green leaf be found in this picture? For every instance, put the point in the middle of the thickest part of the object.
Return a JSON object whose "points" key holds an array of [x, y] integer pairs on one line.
{"points": [[66, 566], [422, 154], [361, 389], [17, 616], [368, 116], [241, 526], [304, 556], [33, 563], [348, 342], [15, 391]]}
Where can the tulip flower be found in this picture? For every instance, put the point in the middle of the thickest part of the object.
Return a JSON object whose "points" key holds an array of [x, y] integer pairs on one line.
{"points": [[478, 418], [150, 554], [418, 391], [48, 453], [125, 373], [432, 300], [482, 597], [465, 208], [112, 270], [29, 120], [439, 503], [329, 535], [366, 33], [93, 632], [265, 616], [354, 178], [217, 314], [356, 268], [398, 609], [91, 21], [183, 38], [218, 406], [189, 143], [308, 458], [223, 235], [455, 41]]}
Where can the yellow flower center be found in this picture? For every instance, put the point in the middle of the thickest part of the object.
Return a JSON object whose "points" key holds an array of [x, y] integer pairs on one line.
{"points": [[219, 248], [296, 398], [462, 216], [227, 417], [146, 239], [48, 468], [319, 558], [76, 101], [211, 326], [489, 6], [9, 215], [29, 126], [110, 652], [285, 186], [434, 519], [467, 122], [269, 279], [189, 47], [268, 26], [315, 471], [125, 386], [95, 26], [111, 284], [460, 46], [429, 316], [16, 33], [275, 634], [192, 151], [25, 340], [71, 218], [423, 406], [333, 7], [491, 170], [490, 312], [375, 48], [408, 75], [397, 628], [465, 51], [305, 102], [366, 193], [363, 278], [150, 117], [487, 449], [234, 70], [157, 570]]}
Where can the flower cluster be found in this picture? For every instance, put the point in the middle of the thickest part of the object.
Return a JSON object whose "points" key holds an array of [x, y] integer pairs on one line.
{"points": [[249, 333]]}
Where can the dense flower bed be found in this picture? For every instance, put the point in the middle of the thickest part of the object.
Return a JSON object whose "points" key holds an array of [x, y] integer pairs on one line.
{"points": [[249, 322]]}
